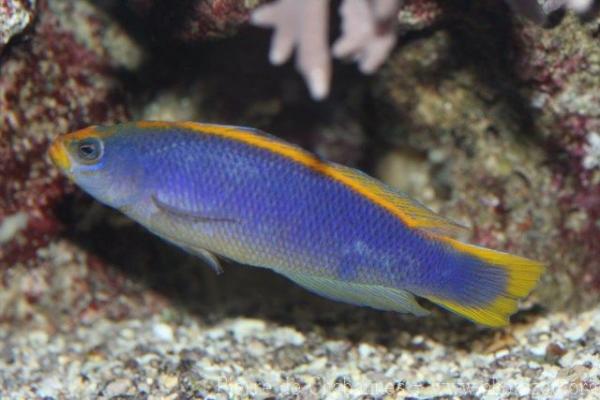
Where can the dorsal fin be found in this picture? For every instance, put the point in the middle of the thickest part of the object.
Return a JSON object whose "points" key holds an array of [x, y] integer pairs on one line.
{"points": [[413, 213]]}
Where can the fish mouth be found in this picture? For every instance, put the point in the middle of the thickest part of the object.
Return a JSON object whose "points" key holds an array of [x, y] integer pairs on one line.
{"points": [[59, 156]]}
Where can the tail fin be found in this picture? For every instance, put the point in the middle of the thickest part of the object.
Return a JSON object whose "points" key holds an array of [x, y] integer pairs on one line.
{"points": [[521, 276]]}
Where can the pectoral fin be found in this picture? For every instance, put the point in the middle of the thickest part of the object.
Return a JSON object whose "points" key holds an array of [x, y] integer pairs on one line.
{"points": [[379, 297], [188, 215], [185, 224]]}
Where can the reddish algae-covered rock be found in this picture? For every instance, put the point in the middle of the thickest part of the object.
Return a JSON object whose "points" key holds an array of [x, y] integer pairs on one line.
{"points": [[194, 20], [562, 69], [15, 16], [57, 80]]}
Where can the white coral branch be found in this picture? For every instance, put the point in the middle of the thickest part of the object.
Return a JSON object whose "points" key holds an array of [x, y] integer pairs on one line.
{"points": [[369, 35], [369, 32], [579, 6], [538, 10], [301, 25]]}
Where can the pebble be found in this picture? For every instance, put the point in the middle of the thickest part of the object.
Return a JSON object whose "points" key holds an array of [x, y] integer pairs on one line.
{"points": [[538, 351], [576, 333], [288, 336], [168, 382], [11, 225], [163, 332], [365, 350], [49, 387], [554, 352], [117, 387], [245, 327], [568, 359]]}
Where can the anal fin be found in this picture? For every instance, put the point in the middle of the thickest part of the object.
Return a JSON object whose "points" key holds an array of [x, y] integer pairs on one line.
{"points": [[379, 297]]}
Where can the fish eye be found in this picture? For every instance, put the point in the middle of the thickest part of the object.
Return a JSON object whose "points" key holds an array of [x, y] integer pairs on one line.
{"points": [[89, 150]]}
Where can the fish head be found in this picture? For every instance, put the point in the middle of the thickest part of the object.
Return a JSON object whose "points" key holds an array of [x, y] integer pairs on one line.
{"points": [[102, 161]]}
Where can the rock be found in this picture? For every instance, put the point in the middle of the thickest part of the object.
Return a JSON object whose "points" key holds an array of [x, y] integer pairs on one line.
{"points": [[562, 67], [16, 16], [194, 20], [57, 81]]}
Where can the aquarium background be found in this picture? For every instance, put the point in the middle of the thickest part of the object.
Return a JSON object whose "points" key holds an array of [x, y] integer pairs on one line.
{"points": [[485, 111]]}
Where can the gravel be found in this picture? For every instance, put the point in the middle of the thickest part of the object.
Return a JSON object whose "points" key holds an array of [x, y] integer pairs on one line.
{"points": [[297, 347]]}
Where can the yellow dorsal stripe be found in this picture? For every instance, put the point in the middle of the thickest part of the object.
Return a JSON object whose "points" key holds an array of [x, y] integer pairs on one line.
{"points": [[368, 190]]}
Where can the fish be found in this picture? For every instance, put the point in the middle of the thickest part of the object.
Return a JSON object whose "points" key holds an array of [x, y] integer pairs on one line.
{"points": [[237, 193]]}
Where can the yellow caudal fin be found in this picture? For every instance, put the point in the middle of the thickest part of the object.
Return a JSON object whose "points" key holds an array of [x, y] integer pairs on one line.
{"points": [[520, 277]]}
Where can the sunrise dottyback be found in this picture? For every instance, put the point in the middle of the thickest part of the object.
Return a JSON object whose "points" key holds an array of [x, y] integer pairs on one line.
{"points": [[255, 199]]}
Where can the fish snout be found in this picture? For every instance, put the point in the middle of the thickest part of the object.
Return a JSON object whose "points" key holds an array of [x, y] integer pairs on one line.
{"points": [[59, 155]]}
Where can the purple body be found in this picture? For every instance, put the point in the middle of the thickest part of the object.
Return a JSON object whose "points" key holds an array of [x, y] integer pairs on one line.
{"points": [[263, 209]]}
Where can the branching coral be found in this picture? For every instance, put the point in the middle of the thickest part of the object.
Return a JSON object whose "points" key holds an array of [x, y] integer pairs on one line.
{"points": [[579, 6], [538, 10], [368, 37], [301, 25], [368, 32]]}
